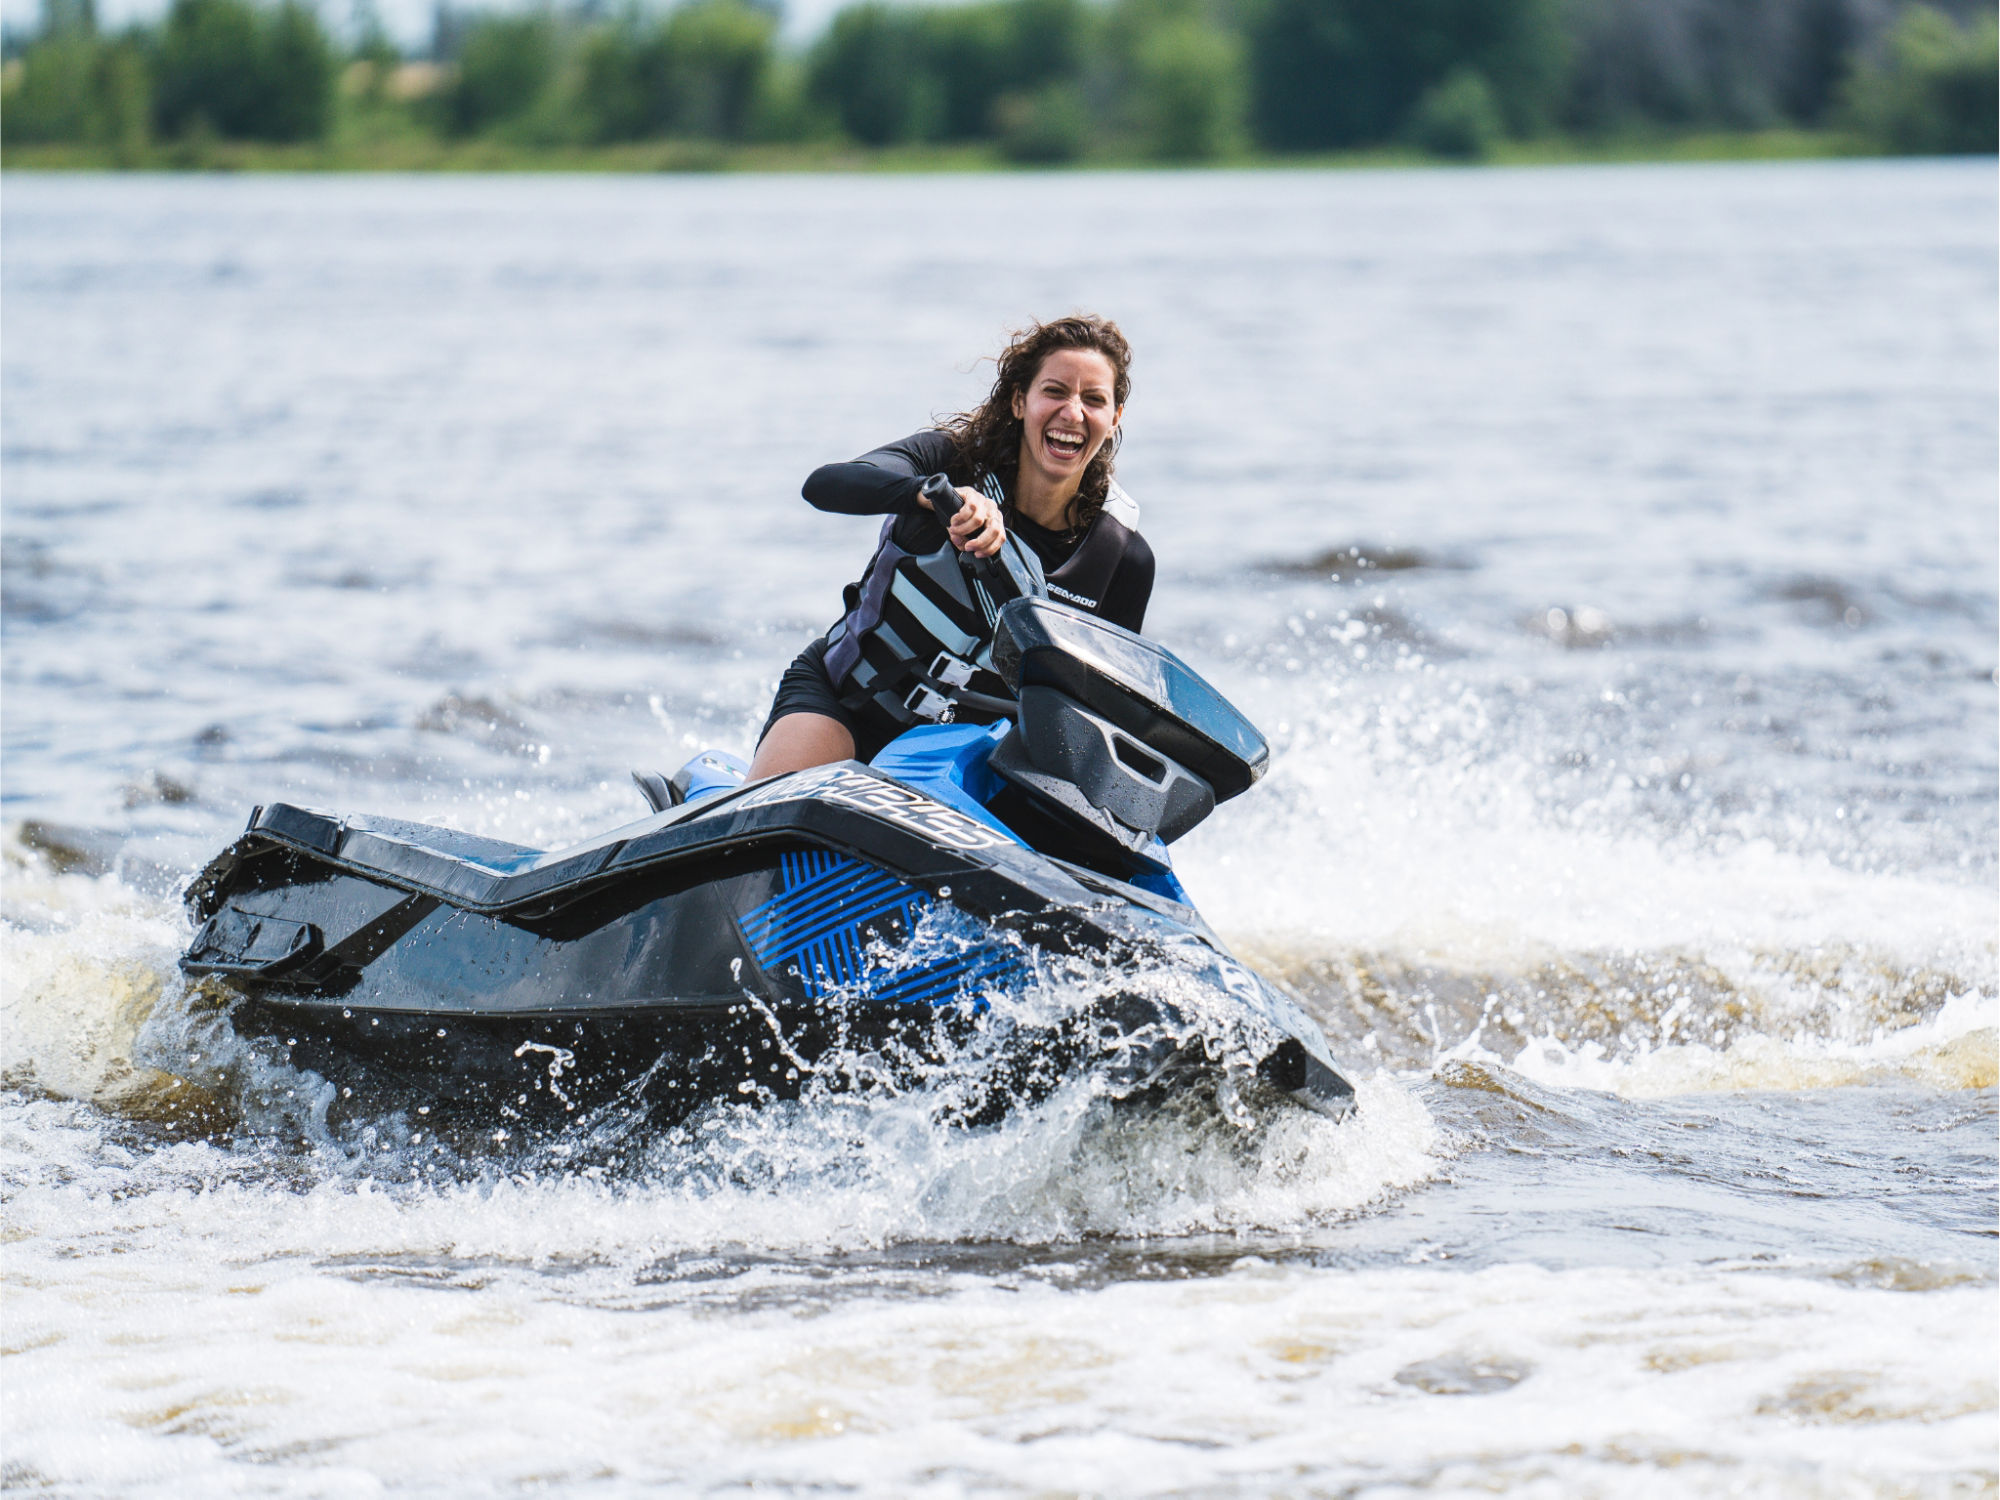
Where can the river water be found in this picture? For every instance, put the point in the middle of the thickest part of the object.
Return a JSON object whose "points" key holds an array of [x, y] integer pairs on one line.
{"points": [[1610, 554]]}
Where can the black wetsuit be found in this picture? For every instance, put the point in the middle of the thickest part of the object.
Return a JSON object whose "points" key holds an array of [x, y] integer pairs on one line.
{"points": [[1107, 570]]}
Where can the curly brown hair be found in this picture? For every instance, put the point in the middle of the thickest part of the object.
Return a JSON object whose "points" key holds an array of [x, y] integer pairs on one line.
{"points": [[989, 437]]}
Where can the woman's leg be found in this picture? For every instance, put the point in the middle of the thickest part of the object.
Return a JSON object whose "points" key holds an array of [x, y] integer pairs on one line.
{"points": [[799, 740]]}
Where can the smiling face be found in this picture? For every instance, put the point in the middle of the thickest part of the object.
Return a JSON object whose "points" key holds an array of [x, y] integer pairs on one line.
{"points": [[1067, 413]]}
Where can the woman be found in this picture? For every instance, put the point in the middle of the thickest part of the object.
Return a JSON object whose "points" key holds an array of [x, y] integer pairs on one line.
{"points": [[1032, 467]]}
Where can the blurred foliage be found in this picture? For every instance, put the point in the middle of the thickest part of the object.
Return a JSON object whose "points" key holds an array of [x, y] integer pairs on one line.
{"points": [[700, 71], [506, 66], [1746, 64], [1335, 73], [211, 68], [1458, 119], [73, 85], [1186, 91], [1935, 89], [246, 72], [1049, 126], [894, 74], [869, 71], [1029, 81]]}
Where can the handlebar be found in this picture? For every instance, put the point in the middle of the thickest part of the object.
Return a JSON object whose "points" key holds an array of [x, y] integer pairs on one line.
{"points": [[943, 497], [997, 573], [1002, 582]]}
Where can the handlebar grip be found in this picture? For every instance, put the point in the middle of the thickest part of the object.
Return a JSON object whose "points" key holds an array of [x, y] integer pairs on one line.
{"points": [[944, 498], [945, 502]]}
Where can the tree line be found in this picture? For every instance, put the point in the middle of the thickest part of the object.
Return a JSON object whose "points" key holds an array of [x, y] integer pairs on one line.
{"points": [[1043, 81]]}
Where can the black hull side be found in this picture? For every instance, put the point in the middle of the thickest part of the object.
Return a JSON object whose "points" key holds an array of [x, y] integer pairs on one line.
{"points": [[542, 1071]]}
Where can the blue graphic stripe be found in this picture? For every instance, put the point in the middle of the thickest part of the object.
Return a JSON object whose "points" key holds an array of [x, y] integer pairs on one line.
{"points": [[816, 923], [836, 959], [839, 882], [806, 912], [785, 931], [944, 982], [806, 901], [777, 929], [807, 864], [787, 936]]}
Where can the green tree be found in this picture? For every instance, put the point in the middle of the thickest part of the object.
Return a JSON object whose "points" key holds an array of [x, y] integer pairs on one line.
{"points": [[50, 96], [1333, 73], [979, 53], [207, 69], [124, 115], [1042, 128], [1187, 83], [1823, 39], [621, 88], [966, 52], [894, 74], [1457, 118], [698, 72], [226, 66], [870, 70], [782, 111], [721, 51], [1936, 91], [298, 75], [75, 86], [506, 65]]}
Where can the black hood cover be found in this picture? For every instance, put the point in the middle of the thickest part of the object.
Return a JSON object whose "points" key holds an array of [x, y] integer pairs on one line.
{"points": [[1143, 688]]}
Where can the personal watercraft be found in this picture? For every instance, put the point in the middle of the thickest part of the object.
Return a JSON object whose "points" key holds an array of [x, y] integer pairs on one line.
{"points": [[832, 927]]}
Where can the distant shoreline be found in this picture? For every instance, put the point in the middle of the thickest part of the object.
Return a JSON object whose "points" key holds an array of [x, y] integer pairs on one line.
{"points": [[487, 156]]}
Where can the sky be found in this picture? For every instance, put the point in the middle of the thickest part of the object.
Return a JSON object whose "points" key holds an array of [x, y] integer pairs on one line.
{"points": [[409, 21]]}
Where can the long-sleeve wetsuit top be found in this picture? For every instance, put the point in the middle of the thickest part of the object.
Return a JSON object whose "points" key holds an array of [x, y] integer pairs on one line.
{"points": [[1107, 570]]}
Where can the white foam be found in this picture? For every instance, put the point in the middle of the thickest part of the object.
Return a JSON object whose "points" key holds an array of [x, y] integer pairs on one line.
{"points": [[1958, 1048], [1348, 846], [231, 1347], [86, 961]]}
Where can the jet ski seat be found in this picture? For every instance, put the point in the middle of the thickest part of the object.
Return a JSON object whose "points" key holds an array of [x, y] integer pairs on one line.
{"points": [[463, 867], [484, 873]]}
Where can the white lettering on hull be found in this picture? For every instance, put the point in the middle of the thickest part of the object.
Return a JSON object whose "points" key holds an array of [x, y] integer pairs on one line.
{"points": [[887, 800]]}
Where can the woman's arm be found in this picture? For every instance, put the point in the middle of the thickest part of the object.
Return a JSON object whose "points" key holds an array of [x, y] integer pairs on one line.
{"points": [[888, 481], [881, 482]]}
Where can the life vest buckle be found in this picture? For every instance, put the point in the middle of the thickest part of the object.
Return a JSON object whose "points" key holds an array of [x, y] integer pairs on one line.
{"points": [[950, 671], [930, 706]]}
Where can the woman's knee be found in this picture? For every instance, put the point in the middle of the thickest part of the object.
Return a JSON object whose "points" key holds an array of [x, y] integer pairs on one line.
{"points": [[799, 741]]}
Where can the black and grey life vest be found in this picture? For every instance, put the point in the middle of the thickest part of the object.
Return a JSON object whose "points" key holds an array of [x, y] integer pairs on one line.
{"points": [[916, 643]]}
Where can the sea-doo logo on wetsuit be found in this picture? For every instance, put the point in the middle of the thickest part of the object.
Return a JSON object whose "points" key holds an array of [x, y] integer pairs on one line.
{"points": [[880, 799]]}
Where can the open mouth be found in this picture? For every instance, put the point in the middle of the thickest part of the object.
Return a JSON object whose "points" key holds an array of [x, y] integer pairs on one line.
{"points": [[1063, 444]]}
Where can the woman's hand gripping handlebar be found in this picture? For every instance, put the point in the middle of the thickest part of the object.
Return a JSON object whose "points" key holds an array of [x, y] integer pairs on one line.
{"points": [[973, 523], [972, 520]]}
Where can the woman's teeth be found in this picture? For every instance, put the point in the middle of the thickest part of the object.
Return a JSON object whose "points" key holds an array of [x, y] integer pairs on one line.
{"points": [[1067, 444]]}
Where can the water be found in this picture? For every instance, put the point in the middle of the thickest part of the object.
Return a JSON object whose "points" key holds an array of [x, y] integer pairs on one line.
{"points": [[1631, 829]]}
